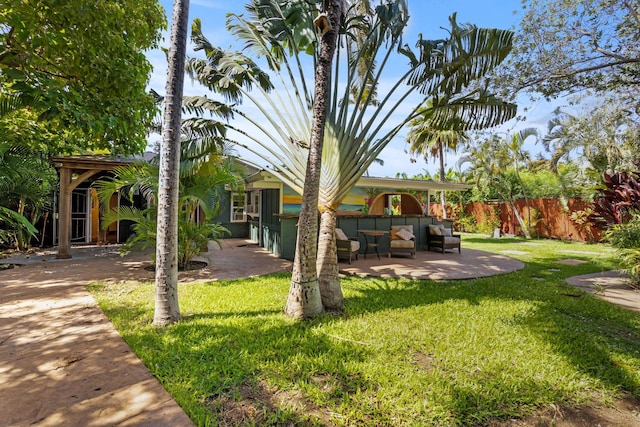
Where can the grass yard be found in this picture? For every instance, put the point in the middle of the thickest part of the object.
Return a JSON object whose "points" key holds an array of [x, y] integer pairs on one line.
{"points": [[403, 353]]}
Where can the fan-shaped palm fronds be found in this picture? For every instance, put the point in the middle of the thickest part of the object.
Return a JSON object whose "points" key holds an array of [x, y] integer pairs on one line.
{"points": [[275, 120]]}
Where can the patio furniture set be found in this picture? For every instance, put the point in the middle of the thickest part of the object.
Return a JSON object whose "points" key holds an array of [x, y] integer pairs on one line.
{"points": [[401, 241]]}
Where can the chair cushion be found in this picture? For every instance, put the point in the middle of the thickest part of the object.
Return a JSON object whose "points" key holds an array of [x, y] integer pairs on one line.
{"points": [[340, 234], [404, 234], [446, 232], [434, 230], [402, 243], [396, 229], [355, 245], [451, 240]]}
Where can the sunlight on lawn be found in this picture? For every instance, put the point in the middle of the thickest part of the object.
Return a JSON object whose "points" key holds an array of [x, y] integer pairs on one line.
{"points": [[403, 353]]}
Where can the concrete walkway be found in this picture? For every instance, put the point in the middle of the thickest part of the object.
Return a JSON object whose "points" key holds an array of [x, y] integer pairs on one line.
{"points": [[612, 286], [62, 363]]}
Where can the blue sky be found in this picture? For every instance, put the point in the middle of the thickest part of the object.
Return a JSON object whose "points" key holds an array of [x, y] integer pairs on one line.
{"points": [[428, 17]]}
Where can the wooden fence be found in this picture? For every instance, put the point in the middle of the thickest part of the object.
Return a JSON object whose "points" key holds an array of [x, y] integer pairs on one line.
{"points": [[550, 219]]}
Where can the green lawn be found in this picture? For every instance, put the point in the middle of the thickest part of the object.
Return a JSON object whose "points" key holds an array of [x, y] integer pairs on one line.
{"points": [[404, 352]]}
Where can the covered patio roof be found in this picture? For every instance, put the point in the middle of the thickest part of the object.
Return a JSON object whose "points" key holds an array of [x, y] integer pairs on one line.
{"points": [[265, 179], [410, 184]]}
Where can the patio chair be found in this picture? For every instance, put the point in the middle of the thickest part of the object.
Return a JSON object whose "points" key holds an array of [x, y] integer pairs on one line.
{"points": [[441, 238], [347, 248], [402, 240]]}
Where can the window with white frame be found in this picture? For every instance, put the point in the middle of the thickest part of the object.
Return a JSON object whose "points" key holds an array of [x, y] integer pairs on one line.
{"points": [[253, 203], [238, 204]]}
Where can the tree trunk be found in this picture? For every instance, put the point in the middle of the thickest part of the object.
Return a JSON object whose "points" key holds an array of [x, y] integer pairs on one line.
{"points": [[304, 299], [520, 220], [443, 197], [43, 233], [526, 230], [167, 310], [327, 264]]}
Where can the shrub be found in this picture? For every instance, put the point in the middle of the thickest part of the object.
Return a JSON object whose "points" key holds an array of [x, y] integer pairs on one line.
{"points": [[489, 221], [626, 237], [618, 199]]}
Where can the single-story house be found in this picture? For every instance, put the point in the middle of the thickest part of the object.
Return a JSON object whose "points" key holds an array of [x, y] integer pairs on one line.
{"points": [[265, 212]]}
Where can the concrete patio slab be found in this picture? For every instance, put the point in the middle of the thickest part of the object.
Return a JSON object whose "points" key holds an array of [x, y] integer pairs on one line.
{"points": [[469, 264]]}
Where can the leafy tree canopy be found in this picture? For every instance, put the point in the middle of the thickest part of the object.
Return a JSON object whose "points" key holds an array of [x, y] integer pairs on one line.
{"points": [[605, 139], [82, 65], [568, 46]]}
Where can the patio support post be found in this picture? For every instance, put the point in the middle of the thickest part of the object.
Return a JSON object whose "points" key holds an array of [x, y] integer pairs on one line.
{"points": [[428, 203], [64, 222]]}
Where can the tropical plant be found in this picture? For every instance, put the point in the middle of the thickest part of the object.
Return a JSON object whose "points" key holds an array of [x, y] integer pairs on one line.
{"points": [[427, 141], [604, 139], [618, 199], [305, 296], [626, 237], [26, 178], [515, 143], [199, 192], [492, 169], [356, 131], [12, 224]]}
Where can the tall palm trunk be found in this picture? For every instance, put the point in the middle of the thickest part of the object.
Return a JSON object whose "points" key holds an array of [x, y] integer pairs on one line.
{"points": [[304, 298], [443, 197], [167, 310], [525, 227], [327, 264]]}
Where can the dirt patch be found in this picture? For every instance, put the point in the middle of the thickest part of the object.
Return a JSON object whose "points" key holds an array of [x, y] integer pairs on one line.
{"points": [[263, 405], [625, 412], [425, 361]]}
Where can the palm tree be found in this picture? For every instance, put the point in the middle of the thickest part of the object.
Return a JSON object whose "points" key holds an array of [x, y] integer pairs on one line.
{"points": [[491, 161], [304, 299], [26, 178], [167, 309], [200, 192], [356, 132], [559, 140], [515, 143], [427, 141]]}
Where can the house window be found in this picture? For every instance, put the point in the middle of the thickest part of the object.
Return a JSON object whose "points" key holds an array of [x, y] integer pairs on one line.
{"points": [[253, 204], [238, 212]]}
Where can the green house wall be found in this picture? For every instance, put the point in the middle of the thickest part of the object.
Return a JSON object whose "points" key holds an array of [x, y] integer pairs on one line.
{"points": [[238, 229], [351, 224]]}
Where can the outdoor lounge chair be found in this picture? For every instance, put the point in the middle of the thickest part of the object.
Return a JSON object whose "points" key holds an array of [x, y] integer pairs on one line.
{"points": [[402, 240], [441, 238], [347, 248]]}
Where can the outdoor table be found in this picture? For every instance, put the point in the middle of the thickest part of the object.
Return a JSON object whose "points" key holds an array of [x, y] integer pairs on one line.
{"points": [[371, 240]]}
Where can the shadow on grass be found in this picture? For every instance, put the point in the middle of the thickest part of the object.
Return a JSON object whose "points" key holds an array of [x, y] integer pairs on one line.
{"points": [[585, 330], [253, 365], [246, 368]]}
